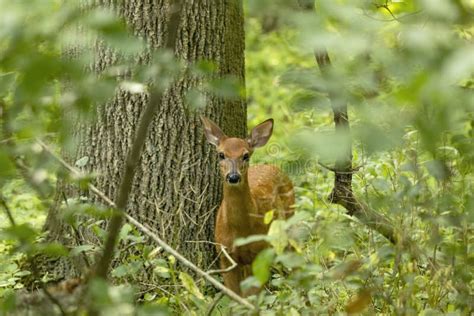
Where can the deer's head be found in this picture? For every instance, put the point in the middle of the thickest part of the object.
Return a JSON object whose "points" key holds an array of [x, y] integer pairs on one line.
{"points": [[234, 153]]}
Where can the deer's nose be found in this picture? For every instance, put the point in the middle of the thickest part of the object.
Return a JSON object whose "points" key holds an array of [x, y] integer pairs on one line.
{"points": [[233, 178]]}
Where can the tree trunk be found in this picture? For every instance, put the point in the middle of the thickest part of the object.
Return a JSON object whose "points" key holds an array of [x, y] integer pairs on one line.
{"points": [[177, 187]]}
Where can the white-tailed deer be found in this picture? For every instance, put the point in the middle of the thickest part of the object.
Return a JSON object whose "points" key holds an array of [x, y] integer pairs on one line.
{"points": [[249, 192]]}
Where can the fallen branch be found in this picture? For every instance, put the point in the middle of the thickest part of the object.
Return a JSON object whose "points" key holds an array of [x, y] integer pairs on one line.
{"points": [[229, 268], [234, 296], [224, 251], [189, 264]]}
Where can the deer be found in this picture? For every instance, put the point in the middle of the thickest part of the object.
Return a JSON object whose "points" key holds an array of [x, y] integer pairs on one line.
{"points": [[248, 193]]}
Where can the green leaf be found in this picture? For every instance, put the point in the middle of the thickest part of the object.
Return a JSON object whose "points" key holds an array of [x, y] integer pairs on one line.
{"points": [[262, 264], [149, 296], [52, 249], [8, 302], [22, 232], [381, 184], [22, 273], [196, 99], [189, 284], [79, 249], [204, 67], [82, 162], [99, 291], [291, 260], [298, 217], [278, 236], [162, 271], [7, 169], [328, 146], [120, 271], [249, 283], [248, 240], [8, 268], [437, 169], [227, 88], [268, 217], [124, 231]]}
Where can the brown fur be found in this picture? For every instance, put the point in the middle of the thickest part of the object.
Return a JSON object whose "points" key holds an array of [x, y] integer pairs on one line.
{"points": [[241, 215], [262, 188]]}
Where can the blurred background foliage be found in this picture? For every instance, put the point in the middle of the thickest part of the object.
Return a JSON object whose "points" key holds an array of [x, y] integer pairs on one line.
{"points": [[406, 69]]}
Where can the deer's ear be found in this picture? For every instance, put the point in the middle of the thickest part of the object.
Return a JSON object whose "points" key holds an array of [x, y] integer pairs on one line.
{"points": [[213, 133], [261, 134]]}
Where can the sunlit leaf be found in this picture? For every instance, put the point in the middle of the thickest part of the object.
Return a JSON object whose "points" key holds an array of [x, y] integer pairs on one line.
{"points": [[162, 272], [52, 249], [268, 217], [278, 237], [189, 284]]}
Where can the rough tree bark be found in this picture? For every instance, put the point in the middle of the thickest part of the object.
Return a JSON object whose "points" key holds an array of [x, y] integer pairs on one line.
{"points": [[175, 190]]}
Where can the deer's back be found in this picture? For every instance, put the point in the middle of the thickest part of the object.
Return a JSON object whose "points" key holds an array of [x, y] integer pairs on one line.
{"points": [[271, 189]]}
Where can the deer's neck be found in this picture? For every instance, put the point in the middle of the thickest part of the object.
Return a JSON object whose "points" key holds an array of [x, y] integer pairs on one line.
{"points": [[238, 205]]}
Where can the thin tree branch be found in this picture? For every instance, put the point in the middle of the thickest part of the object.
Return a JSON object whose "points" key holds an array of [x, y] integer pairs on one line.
{"points": [[229, 268], [152, 235], [134, 155], [7, 210], [394, 17], [223, 250]]}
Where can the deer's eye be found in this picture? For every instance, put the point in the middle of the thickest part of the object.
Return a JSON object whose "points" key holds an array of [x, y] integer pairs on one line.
{"points": [[221, 156], [246, 157]]}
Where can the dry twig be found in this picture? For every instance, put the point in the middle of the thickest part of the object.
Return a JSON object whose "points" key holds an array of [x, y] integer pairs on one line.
{"points": [[229, 268]]}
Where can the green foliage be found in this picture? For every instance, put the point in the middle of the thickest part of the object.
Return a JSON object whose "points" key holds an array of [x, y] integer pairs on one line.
{"points": [[405, 82], [29, 214], [405, 69]]}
